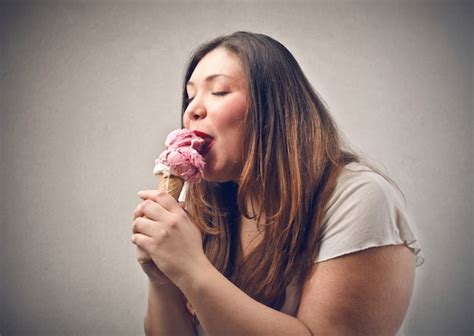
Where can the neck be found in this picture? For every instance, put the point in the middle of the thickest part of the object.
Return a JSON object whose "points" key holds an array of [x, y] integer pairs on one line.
{"points": [[250, 234]]}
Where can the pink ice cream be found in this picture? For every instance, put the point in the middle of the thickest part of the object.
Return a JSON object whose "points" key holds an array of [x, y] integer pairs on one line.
{"points": [[183, 156]]}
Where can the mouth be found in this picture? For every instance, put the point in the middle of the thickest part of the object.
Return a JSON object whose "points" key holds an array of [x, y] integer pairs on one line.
{"points": [[208, 142]]}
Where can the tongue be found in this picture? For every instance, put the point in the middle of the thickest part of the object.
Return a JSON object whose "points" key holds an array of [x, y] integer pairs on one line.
{"points": [[207, 141]]}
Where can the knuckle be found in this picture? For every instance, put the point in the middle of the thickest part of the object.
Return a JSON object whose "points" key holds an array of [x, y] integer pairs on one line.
{"points": [[146, 205], [173, 224], [165, 233], [142, 256], [182, 217], [136, 212], [137, 208], [135, 224], [160, 193]]}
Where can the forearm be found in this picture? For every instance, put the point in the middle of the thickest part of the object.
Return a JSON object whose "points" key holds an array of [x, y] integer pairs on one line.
{"points": [[166, 313], [223, 309]]}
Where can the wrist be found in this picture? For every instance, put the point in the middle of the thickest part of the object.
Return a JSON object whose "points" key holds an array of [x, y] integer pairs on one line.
{"points": [[196, 276], [165, 285], [168, 292], [161, 283]]}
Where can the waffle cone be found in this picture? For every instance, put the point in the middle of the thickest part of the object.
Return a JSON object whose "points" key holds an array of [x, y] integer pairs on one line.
{"points": [[171, 184]]}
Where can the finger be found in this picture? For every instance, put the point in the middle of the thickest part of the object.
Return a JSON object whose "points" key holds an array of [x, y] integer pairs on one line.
{"points": [[142, 256], [142, 241], [145, 226], [150, 194], [151, 209], [161, 197], [138, 211]]}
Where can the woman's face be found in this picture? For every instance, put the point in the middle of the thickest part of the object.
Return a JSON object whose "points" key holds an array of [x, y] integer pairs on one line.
{"points": [[217, 92]]}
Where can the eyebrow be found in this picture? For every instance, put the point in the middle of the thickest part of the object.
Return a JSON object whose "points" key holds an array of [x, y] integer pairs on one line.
{"points": [[210, 78]]}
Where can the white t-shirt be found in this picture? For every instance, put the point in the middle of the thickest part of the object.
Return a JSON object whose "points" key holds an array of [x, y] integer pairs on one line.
{"points": [[364, 211]]}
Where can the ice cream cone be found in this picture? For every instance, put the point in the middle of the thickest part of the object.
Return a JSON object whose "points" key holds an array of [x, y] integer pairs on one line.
{"points": [[182, 160], [171, 184]]}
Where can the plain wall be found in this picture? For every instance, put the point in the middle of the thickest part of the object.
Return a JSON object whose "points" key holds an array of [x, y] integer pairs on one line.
{"points": [[89, 91]]}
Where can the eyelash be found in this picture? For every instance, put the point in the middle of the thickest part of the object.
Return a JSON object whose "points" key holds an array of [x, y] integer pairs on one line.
{"points": [[218, 94]]}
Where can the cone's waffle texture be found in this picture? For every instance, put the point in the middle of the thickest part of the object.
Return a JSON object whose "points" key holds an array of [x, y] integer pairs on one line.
{"points": [[171, 184]]}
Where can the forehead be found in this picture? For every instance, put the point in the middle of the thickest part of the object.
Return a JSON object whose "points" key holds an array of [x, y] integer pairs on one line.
{"points": [[219, 61]]}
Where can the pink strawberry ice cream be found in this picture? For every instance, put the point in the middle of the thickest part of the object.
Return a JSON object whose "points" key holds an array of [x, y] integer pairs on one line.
{"points": [[183, 155]]}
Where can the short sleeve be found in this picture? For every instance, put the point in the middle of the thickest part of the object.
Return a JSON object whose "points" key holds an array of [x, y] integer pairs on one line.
{"points": [[364, 211]]}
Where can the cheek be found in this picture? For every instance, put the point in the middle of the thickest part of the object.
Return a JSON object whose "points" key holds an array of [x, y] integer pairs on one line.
{"points": [[233, 118], [232, 123]]}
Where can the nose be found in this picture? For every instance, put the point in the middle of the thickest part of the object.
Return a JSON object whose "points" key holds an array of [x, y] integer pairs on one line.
{"points": [[196, 111]]}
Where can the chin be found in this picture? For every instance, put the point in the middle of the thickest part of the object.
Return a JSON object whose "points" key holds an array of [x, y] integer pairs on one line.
{"points": [[222, 174], [219, 178], [216, 179]]}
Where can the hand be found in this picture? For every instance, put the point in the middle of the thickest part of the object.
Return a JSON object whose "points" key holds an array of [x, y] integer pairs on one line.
{"points": [[149, 267], [165, 233], [151, 270]]}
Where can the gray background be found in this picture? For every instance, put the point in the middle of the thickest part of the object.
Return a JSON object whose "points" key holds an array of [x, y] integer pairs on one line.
{"points": [[89, 91]]}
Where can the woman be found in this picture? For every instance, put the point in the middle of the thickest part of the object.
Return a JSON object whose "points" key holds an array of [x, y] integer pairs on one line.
{"points": [[289, 233]]}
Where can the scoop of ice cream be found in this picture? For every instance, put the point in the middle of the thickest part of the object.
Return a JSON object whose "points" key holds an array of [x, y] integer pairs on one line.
{"points": [[184, 162], [182, 156], [184, 138]]}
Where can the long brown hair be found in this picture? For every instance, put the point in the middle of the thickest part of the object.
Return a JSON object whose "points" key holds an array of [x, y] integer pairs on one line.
{"points": [[294, 154]]}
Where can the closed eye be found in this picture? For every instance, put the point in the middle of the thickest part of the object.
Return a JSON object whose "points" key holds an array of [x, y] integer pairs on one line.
{"points": [[220, 93]]}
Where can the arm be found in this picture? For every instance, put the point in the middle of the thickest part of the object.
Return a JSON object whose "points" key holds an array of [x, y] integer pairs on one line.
{"points": [[163, 230], [166, 313], [224, 309], [363, 293]]}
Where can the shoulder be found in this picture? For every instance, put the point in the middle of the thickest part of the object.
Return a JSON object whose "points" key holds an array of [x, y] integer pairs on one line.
{"points": [[365, 210], [362, 280], [358, 184], [363, 206]]}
